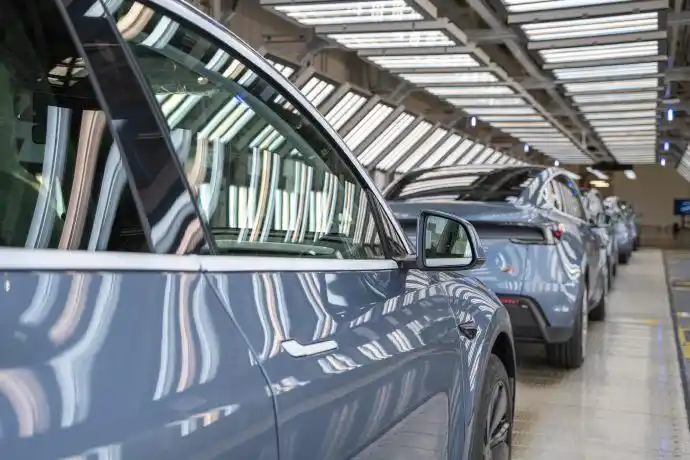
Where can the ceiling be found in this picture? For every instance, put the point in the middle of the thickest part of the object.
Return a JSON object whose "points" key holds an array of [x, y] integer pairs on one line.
{"points": [[577, 81]]}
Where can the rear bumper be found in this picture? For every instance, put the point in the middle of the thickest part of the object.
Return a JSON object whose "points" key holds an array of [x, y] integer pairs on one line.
{"points": [[530, 324]]}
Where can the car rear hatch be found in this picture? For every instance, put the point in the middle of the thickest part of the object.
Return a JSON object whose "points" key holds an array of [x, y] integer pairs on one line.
{"points": [[506, 232]]}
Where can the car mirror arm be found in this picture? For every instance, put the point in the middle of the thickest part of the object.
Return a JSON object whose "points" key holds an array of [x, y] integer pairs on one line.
{"points": [[407, 262]]}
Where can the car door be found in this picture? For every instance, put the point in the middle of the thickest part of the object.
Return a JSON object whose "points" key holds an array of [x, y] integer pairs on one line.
{"points": [[591, 246], [361, 355], [113, 346]]}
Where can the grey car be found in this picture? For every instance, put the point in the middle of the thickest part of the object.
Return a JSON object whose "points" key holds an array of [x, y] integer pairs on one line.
{"points": [[625, 228], [544, 259], [195, 267], [603, 225]]}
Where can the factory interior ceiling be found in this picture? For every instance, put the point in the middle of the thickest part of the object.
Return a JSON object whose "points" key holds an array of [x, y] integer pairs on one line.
{"points": [[444, 82]]}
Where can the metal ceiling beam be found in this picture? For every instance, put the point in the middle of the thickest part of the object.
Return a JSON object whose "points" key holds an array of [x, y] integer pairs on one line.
{"points": [[334, 98], [590, 11], [488, 36], [595, 41]]}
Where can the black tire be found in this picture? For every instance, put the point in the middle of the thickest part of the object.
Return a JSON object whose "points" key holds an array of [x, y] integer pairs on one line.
{"points": [[624, 258], [495, 379], [571, 354], [599, 312]]}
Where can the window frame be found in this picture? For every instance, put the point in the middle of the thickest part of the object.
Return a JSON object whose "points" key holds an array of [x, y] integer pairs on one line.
{"points": [[236, 48]]}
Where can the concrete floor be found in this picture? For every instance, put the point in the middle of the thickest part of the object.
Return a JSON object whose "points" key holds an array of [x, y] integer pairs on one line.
{"points": [[626, 402]]}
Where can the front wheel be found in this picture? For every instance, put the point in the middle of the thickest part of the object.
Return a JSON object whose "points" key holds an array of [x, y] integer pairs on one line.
{"points": [[493, 430], [571, 354]]}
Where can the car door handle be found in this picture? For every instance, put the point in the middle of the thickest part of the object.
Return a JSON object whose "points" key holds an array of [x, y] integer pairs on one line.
{"points": [[468, 328], [297, 350]]}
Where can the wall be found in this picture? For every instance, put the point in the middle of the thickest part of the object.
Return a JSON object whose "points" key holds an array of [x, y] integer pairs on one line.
{"points": [[652, 193]]}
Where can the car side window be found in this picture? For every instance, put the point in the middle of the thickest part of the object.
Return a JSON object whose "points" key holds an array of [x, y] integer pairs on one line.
{"points": [[267, 179], [62, 182], [572, 204]]}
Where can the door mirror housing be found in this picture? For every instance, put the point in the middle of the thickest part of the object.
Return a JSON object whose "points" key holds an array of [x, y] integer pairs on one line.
{"points": [[446, 242]]}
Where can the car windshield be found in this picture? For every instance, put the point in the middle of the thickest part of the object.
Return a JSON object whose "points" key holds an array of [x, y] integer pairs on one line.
{"points": [[464, 184]]}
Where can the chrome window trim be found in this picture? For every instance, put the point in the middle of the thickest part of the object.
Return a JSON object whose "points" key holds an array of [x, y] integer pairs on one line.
{"points": [[19, 259], [194, 16]]}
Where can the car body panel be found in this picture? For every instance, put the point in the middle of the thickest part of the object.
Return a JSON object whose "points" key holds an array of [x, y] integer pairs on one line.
{"points": [[397, 343], [125, 364], [550, 277], [170, 354]]}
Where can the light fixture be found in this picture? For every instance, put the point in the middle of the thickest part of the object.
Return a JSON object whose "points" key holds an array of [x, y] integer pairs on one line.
{"points": [[598, 174], [670, 114], [666, 145], [525, 148], [473, 121], [630, 174], [599, 183], [556, 163], [662, 161]]}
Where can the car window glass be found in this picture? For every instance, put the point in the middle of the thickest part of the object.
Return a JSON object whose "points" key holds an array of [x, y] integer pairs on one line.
{"points": [[62, 183], [571, 199], [266, 178]]}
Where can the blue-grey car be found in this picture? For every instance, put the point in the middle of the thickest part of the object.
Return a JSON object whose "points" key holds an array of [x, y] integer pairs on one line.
{"points": [[625, 230], [603, 225], [195, 267], [544, 259]]}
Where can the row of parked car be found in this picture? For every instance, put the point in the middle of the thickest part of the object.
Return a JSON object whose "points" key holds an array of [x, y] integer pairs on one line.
{"points": [[195, 266]]}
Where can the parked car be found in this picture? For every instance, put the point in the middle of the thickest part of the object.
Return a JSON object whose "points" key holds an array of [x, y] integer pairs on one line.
{"points": [[544, 260], [602, 224], [195, 266], [624, 232], [631, 220]]}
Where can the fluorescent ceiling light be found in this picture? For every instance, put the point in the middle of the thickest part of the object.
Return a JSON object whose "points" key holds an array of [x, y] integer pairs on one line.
{"points": [[607, 71], [643, 83], [618, 107], [367, 125], [592, 27], [499, 102], [344, 109], [405, 145], [355, 12], [425, 61], [614, 97], [470, 90], [596, 52], [524, 6], [450, 78], [619, 115], [499, 110], [384, 140], [411, 39]]}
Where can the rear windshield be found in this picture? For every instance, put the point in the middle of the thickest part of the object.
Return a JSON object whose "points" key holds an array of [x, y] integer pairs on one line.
{"points": [[463, 184]]}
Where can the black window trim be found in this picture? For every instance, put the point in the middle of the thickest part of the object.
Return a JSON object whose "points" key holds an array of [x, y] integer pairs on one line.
{"points": [[134, 143]]}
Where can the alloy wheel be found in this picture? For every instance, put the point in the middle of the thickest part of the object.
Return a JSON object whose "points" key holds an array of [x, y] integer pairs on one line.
{"points": [[497, 433]]}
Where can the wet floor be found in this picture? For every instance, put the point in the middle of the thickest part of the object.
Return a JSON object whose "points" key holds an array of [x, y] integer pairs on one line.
{"points": [[626, 402]]}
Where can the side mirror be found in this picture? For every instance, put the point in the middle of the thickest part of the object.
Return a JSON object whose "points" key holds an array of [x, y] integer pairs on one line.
{"points": [[446, 242]]}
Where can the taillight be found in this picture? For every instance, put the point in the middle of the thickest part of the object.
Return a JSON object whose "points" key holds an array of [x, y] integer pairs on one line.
{"points": [[558, 230], [509, 301]]}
